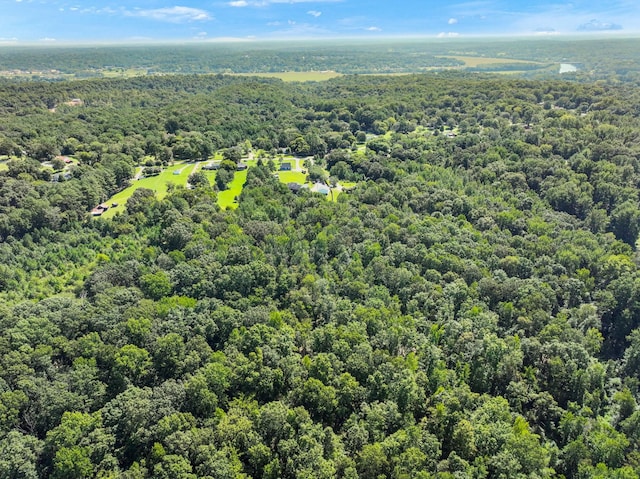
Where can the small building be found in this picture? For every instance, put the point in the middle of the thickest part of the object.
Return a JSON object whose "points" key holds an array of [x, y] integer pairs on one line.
{"points": [[177, 172], [98, 210], [212, 166], [297, 187], [285, 166], [241, 166], [294, 187], [57, 177]]}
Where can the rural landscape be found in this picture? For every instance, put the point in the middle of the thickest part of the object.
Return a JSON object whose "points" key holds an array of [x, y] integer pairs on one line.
{"points": [[400, 259]]}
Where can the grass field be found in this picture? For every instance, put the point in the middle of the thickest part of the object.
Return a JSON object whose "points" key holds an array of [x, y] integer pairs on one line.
{"points": [[295, 76], [159, 184], [291, 177], [226, 198], [473, 62], [124, 73]]}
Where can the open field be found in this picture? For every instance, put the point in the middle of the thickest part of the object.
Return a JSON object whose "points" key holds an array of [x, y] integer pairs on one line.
{"points": [[473, 62], [226, 198], [158, 183], [295, 76], [291, 177], [123, 72]]}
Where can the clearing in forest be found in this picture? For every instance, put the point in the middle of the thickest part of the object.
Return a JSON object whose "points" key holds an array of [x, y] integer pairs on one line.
{"points": [[159, 184], [473, 62], [295, 76]]}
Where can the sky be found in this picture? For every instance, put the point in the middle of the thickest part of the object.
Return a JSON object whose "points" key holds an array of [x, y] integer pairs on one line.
{"points": [[87, 21]]}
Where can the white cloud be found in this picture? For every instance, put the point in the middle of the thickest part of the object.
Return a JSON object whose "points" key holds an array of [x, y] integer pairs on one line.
{"points": [[314, 13], [175, 14], [596, 25], [47, 40], [452, 21], [373, 29], [239, 3], [448, 34]]}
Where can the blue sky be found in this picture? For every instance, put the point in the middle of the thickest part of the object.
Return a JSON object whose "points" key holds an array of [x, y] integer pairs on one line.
{"points": [[81, 21]]}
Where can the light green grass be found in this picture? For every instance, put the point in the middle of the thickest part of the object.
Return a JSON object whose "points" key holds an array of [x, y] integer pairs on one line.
{"points": [[3, 167], [473, 62], [124, 73], [291, 177], [159, 184], [211, 175], [226, 198], [295, 76]]}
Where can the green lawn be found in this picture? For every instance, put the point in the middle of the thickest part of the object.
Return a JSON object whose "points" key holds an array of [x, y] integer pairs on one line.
{"points": [[227, 197], [211, 175], [158, 183], [291, 177], [296, 76]]}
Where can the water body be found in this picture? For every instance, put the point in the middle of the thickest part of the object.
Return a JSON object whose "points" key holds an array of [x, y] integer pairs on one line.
{"points": [[568, 68]]}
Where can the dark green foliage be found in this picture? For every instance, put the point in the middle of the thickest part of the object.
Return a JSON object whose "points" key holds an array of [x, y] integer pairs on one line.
{"points": [[468, 309]]}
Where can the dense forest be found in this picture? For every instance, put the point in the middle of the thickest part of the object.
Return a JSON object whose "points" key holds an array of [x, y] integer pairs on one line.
{"points": [[607, 58], [470, 309]]}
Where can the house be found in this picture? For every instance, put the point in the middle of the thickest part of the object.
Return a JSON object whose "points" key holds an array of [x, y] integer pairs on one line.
{"points": [[297, 187], [56, 177], [285, 166], [294, 187], [212, 166], [98, 210], [241, 166]]}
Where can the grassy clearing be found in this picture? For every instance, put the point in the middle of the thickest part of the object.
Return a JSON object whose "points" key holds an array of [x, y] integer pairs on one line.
{"points": [[295, 76], [473, 62], [124, 73], [291, 177], [226, 198], [211, 175], [159, 184], [3, 167]]}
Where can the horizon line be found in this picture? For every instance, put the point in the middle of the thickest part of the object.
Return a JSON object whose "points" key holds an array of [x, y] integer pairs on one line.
{"points": [[440, 37]]}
